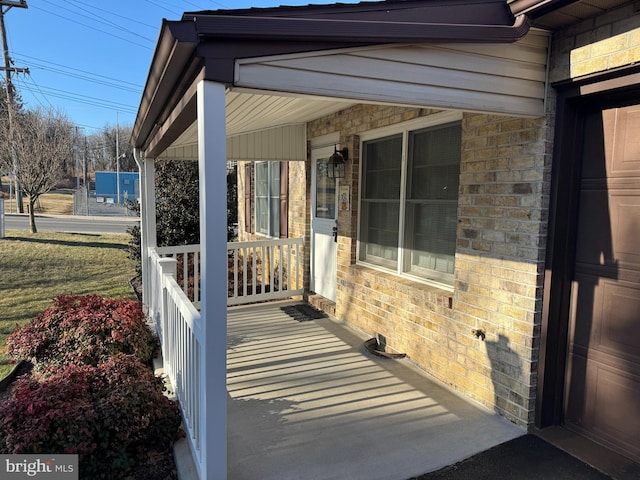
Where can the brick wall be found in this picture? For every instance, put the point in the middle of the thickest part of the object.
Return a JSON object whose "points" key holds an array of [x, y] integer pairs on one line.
{"points": [[502, 226], [499, 263], [299, 208], [597, 44]]}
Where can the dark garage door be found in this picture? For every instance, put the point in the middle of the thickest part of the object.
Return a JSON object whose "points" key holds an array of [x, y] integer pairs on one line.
{"points": [[602, 390]]}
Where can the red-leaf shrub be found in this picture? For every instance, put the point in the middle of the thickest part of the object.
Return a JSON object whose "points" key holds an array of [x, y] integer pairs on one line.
{"points": [[83, 329], [105, 413], [34, 419]]}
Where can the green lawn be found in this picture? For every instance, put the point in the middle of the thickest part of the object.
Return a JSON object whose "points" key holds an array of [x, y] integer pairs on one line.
{"points": [[58, 202], [36, 268]]}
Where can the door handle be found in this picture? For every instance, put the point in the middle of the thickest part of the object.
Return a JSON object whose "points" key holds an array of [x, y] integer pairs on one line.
{"points": [[335, 234]]}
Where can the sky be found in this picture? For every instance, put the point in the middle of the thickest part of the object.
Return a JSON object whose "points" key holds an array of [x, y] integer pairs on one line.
{"points": [[90, 59]]}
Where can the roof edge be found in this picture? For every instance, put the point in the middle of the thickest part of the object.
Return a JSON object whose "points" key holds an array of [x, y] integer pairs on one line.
{"points": [[176, 44], [356, 31]]}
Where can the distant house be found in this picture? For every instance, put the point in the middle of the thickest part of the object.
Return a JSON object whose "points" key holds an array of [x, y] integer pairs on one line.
{"points": [[107, 186], [487, 220]]}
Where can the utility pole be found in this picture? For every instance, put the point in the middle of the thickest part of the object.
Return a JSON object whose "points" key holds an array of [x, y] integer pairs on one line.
{"points": [[79, 194], [86, 178], [8, 69], [118, 156]]}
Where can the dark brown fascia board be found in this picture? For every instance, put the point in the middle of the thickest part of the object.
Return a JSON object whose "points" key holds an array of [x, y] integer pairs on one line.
{"points": [[448, 11], [176, 45], [177, 118], [355, 31], [226, 38]]}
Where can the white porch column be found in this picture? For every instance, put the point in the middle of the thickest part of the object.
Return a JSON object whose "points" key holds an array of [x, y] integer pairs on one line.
{"points": [[147, 220], [213, 246]]}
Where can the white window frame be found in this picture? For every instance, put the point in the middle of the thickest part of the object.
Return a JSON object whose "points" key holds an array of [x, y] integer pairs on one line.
{"points": [[404, 129], [270, 166]]}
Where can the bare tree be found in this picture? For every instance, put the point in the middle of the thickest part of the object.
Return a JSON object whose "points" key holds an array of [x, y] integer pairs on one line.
{"points": [[42, 142], [101, 149]]}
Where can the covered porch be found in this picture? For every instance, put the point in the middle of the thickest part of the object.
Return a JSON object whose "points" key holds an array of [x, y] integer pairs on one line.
{"points": [[213, 96]]}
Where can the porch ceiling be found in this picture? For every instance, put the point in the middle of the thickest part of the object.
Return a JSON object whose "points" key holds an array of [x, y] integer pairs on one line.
{"points": [[250, 114], [249, 111]]}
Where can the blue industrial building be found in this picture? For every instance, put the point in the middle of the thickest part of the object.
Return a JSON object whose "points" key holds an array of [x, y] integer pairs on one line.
{"points": [[107, 186]]}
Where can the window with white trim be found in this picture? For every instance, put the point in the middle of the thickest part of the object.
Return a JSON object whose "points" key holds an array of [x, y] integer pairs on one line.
{"points": [[268, 198], [409, 201]]}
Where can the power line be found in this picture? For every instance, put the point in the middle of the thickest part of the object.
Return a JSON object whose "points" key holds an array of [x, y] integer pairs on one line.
{"points": [[134, 21], [93, 28], [24, 84], [139, 87], [104, 21], [159, 5], [88, 126], [88, 100], [35, 66], [101, 21]]}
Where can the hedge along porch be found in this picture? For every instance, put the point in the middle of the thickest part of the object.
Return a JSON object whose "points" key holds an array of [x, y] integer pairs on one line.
{"points": [[215, 94]]}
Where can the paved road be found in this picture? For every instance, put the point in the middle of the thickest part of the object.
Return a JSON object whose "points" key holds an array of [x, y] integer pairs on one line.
{"points": [[69, 223]]}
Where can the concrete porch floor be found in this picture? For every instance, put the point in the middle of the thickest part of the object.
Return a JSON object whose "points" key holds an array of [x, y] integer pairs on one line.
{"points": [[307, 402]]}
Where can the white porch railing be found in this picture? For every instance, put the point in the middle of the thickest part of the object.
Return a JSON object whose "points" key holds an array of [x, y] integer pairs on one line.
{"points": [[258, 271], [188, 268], [179, 327], [264, 270]]}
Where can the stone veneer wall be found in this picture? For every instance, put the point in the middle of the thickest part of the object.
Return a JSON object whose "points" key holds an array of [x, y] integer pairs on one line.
{"points": [[499, 263]]}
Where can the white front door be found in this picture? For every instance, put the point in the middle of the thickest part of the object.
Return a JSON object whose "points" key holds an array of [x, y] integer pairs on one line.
{"points": [[324, 216]]}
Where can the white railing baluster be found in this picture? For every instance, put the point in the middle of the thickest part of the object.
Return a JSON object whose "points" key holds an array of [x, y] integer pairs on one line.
{"points": [[244, 270], [196, 277], [254, 270], [288, 272], [272, 271], [185, 272]]}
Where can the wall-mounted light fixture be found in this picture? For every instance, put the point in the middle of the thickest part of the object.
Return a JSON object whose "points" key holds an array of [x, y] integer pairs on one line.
{"points": [[337, 163]]}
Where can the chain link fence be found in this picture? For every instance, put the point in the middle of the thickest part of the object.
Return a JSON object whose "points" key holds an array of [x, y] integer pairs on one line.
{"points": [[87, 204]]}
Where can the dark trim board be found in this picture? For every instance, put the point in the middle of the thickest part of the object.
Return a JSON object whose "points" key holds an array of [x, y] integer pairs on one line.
{"points": [[613, 89]]}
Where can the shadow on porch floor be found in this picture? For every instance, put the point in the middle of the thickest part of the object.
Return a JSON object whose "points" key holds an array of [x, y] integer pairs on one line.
{"points": [[306, 401]]}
